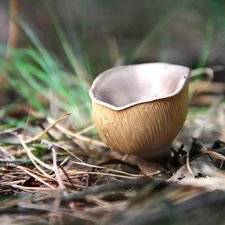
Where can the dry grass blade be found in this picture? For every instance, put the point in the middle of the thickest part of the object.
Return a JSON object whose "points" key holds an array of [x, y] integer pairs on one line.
{"points": [[66, 150], [129, 176], [85, 130], [208, 71], [188, 163], [37, 137], [195, 87], [34, 159], [110, 170], [76, 135], [7, 155], [35, 176], [214, 154], [55, 166]]}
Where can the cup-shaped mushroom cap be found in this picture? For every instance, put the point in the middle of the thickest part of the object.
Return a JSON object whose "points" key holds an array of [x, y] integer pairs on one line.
{"points": [[140, 109]]}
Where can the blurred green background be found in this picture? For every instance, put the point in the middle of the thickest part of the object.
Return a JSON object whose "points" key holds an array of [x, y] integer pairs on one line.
{"points": [[128, 30]]}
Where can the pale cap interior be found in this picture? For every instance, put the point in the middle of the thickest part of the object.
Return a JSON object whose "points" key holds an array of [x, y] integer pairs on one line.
{"points": [[122, 87]]}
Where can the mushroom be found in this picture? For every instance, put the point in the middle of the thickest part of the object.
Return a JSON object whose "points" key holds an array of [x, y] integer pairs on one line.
{"points": [[139, 109]]}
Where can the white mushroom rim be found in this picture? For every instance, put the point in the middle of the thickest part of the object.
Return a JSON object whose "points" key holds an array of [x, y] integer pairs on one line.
{"points": [[125, 86]]}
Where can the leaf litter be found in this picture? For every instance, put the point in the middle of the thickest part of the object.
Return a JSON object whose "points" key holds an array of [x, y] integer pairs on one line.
{"points": [[73, 177]]}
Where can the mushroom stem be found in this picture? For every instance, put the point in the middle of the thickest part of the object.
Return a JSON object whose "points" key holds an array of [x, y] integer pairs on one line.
{"points": [[159, 156], [155, 162]]}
